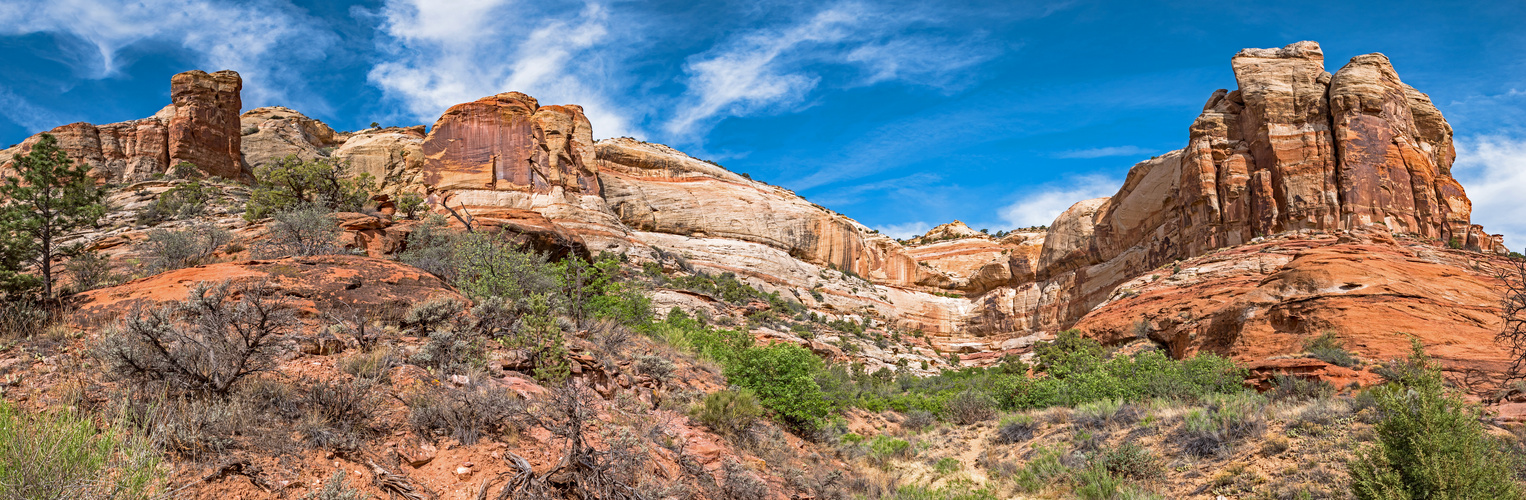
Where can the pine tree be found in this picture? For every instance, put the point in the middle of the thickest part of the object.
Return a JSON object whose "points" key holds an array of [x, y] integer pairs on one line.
{"points": [[48, 197]]}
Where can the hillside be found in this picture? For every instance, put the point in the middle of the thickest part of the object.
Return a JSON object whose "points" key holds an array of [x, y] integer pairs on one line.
{"points": [[563, 316]]}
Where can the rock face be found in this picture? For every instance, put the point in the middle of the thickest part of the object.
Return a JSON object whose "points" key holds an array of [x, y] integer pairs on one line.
{"points": [[655, 188], [393, 156], [1264, 300], [205, 128], [200, 127], [275, 132], [508, 142], [116, 151]]}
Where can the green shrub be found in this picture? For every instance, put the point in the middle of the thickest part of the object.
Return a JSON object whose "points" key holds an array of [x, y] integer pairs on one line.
{"points": [[884, 448], [171, 249], [302, 231], [1227, 419], [947, 465], [1094, 482], [1132, 461], [1288, 387], [180, 202], [782, 375], [970, 407], [1042, 470], [489, 266], [431, 247], [290, 182], [89, 271], [410, 205], [729, 412], [1016, 429], [64, 455], [1326, 347], [1430, 444], [465, 413]]}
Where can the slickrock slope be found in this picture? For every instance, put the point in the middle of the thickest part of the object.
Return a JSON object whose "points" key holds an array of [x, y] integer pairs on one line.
{"points": [[1260, 302], [201, 126], [655, 188], [329, 283]]}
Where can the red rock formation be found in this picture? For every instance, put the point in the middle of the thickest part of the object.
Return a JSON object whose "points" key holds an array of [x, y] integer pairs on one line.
{"points": [[1263, 301], [201, 127], [508, 142], [205, 129], [322, 284]]}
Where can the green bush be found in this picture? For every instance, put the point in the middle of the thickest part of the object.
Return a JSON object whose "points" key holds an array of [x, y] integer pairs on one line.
{"points": [[782, 375], [180, 202], [64, 455], [291, 182], [947, 465], [1132, 461], [171, 249], [1016, 429], [729, 412], [884, 448], [1227, 419], [410, 205], [302, 231], [490, 266], [1326, 347], [1430, 444]]}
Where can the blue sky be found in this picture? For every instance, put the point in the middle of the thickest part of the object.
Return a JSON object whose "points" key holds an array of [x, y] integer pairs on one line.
{"points": [[903, 115]]}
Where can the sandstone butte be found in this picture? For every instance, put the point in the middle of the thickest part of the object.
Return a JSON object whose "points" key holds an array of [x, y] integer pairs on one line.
{"points": [[1302, 203]]}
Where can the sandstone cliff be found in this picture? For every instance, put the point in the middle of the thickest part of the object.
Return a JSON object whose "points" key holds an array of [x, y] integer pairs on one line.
{"points": [[200, 126]]}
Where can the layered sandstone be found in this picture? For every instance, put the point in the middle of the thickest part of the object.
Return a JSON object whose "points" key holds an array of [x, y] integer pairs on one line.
{"points": [[506, 154], [275, 132], [205, 128], [200, 126], [655, 188]]}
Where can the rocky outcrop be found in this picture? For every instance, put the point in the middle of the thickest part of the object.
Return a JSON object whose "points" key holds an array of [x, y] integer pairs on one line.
{"points": [[115, 152], [1265, 300], [205, 128], [655, 188], [508, 142], [328, 284], [201, 127], [508, 154], [394, 157], [275, 132]]}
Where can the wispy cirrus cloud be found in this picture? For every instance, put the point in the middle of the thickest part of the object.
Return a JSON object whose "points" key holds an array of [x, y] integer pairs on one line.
{"points": [[439, 54], [261, 39], [1493, 170], [1041, 206], [774, 68], [905, 230], [1105, 152]]}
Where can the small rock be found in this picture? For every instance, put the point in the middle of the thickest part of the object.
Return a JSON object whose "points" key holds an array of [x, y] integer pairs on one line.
{"points": [[463, 473]]}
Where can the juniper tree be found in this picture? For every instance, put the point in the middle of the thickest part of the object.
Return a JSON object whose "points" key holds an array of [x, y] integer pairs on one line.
{"points": [[47, 197]]}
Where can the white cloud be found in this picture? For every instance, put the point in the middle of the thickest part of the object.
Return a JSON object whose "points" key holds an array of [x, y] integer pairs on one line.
{"points": [[262, 40], [1040, 208], [444, 53], [1493, 171], [1105, 152], [30, 116], [772, 68], [905, 230]]}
